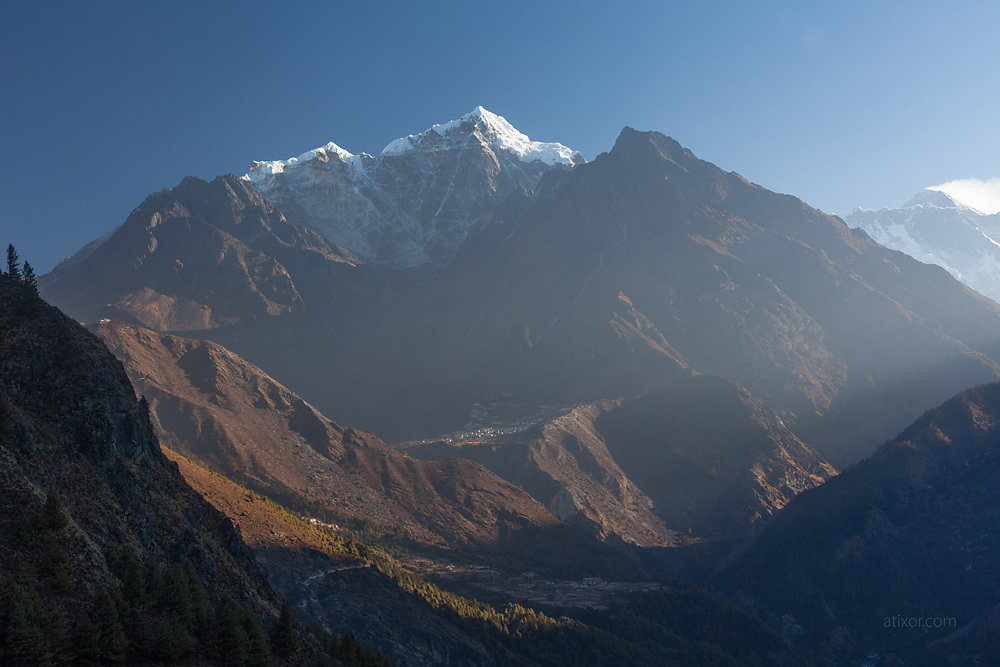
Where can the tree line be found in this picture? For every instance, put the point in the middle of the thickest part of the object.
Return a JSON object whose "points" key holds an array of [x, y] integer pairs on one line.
{"points": [[151, 613], [21, 273]]}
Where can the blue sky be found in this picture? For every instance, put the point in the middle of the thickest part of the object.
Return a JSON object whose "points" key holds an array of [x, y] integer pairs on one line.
{"points": [[841, 104]]}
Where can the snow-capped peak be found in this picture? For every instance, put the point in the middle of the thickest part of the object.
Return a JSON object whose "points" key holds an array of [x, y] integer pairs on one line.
{"points": [[497, 132], [262, 169], [421, 198], [934, 198]]}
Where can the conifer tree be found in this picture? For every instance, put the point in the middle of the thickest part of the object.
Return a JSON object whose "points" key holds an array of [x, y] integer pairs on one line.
{"points": [[259, 654], [285, 639], [231, 641], [100, 637], [28, 278], [13, 272]]}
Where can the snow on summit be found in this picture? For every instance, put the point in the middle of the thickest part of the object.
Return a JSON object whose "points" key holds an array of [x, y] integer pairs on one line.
{"points": [[421, 198], [260, 169], [494, 130], [936, 227]]}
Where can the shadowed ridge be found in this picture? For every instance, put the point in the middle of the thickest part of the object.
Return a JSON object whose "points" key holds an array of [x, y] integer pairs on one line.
{"points": [[910, 531]]}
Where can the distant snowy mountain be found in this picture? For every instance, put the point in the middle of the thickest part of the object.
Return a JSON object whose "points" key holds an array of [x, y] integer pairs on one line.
{"points": [[935, 228], [421, 198]]}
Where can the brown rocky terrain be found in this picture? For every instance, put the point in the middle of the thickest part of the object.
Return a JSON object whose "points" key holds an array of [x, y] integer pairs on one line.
{"points": [[92, 515], [564, 462], [227, 413], [699, 459], [200, 256]]}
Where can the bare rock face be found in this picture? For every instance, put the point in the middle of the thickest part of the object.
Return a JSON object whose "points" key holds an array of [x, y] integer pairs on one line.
{"points": [[421, 198], [198, 256]]}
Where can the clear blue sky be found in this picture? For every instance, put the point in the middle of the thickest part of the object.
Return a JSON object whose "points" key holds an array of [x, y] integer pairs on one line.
{"points": [[839, 103]]}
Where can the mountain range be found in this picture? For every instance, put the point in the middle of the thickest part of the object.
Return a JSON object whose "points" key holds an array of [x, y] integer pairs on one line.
{"points": [[116, 550], [606, 279], [484, 349], [935, 228], [421, 198], [230, 415]]}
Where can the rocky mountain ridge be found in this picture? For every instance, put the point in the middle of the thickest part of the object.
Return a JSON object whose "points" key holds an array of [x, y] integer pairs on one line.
{"points": [[699, 460], [936, 229], [421, 198], [226, 413], [201, 256]]}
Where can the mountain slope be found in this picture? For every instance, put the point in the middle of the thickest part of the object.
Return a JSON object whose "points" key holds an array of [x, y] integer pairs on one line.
{"points": [[97, 525], [697, 460], [333, 588], [714, 460], [628, 269], [934, 228], [198, 256], [354, 588], [421, 198], [228, 414], [613, 278], [565, 464], [908, 533]]}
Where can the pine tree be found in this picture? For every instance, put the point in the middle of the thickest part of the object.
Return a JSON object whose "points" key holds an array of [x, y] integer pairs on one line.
{"points": [[55, 565], [201, 610], [13, 272], [174, 595], [285, 639], [29, 279], [259, 654], [231, 641], [100, 637]]}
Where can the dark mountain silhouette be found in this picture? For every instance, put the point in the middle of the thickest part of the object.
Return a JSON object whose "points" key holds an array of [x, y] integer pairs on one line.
{"points": [[909, 533]]}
